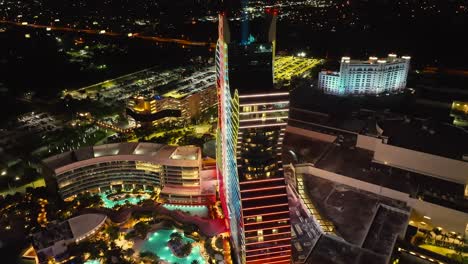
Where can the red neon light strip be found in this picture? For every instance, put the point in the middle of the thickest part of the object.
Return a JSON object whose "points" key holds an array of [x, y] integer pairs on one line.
{"points": [[276, 261], [259, 181], [277, 257], [281, 212], [269, 253], [277, 234], [286, 261], [263, 197], [258, 249], [264, 222], [263, 207], [268, 228], [268, 241], [264, 189]]}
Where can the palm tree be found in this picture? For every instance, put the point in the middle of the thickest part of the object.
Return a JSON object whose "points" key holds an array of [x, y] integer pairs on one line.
{"points": [[176, 236], [427, 234], [186, 249], [113, 232], [454, 236], [141, 228], [149, 256], [445, 238], [437, 232], [195, 262]]}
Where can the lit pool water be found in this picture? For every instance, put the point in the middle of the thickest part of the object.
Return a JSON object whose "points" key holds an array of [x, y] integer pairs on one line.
{"points": [[93, 261], [157, 244], [108, 203], [198, 210]]}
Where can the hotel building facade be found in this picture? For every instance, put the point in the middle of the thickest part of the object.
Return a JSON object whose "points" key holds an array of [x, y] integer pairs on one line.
{"points": [[176, 171], [372, 77], [252, 122]]}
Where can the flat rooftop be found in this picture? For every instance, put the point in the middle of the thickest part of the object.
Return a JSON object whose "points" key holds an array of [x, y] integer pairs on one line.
{"points": [[352, 211], [357, 163], [301, 149], [357, 122], [426, 136], [186, 153], [148, 151], [421, 135], [331, 250]]}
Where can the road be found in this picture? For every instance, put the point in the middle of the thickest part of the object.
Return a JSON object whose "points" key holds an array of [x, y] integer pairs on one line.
{"points": [[182, 42]]}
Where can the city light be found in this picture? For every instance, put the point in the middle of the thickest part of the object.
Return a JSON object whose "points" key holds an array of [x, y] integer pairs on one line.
{"points": [[146, 131], [301, 54]]}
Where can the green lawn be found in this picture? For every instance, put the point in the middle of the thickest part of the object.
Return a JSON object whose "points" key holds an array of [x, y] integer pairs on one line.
{"points": [[22, 189], [444, 251]]}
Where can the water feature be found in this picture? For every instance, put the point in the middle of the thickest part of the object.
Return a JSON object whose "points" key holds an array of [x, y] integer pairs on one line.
{"points": [[133, 199], [157, 243], [195, 210], [93, 261]]}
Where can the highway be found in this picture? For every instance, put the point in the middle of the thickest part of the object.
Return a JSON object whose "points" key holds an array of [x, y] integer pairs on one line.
{"points": [[182, 42]]}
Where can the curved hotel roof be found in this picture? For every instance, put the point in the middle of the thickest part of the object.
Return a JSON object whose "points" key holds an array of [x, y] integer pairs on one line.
{"points": [[186, 156]]}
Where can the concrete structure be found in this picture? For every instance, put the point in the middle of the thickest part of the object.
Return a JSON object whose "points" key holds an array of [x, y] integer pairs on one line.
{"points": [[372, 77], [53, 241], [432, 185], [153, 110], [126, 166]]}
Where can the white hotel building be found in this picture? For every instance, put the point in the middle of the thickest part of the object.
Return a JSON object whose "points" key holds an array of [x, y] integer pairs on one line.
{"points": [[179, 172], [371, 77]]}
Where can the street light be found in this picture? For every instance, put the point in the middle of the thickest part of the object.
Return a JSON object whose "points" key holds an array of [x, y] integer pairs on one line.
{"points": [[4, 172]]}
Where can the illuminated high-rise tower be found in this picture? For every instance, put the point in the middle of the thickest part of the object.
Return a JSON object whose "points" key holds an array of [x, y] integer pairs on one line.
{"points": [[252, 122]]}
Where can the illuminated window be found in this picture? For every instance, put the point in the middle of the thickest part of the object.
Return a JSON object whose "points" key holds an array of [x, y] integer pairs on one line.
{"points": [[259, 218], [260, 235], [250, 219]]}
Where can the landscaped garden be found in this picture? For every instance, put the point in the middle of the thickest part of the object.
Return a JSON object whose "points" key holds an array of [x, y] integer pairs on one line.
{"points": [[449, 244]]}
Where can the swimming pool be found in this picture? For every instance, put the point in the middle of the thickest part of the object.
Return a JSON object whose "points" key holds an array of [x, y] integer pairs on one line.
{"points": [[93, 261], [198, 210], [108, 203], [157, 244]]}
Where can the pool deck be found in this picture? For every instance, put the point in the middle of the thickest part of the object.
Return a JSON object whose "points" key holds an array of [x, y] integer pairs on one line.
{"points": [[139, 243], [209, 227]]}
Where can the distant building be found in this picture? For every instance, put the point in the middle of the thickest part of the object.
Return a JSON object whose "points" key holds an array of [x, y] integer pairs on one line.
{"points": [[177, 171], [150, 111], [372, 77], [154, 110], [53, 241], [459, 113]]}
